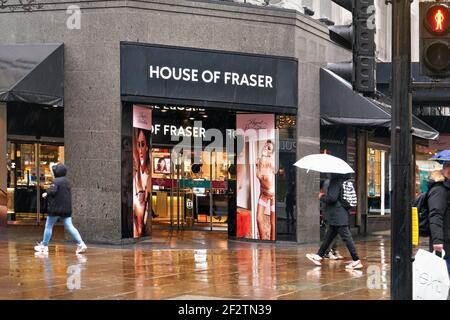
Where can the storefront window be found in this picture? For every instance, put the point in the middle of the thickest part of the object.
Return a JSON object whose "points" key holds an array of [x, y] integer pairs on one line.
{"points": [[29, 176], [190, 184], [378, 180], [286, 179], [424, 167]]}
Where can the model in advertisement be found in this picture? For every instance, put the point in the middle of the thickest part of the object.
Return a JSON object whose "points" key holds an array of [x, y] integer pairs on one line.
{"points": [[256, 169], [265, 172], [140, 179], [162, 165]]}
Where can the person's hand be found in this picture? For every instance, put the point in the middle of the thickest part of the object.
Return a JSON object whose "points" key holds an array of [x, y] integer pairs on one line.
{"points": [[438, 247], [44, 195], [321, 194]]}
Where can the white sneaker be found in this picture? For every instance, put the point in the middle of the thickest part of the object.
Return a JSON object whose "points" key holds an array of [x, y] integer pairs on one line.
{"points": [[330, 256], [81, 248], [354, 265], [39, 247], [316, 259], [337, 255]]}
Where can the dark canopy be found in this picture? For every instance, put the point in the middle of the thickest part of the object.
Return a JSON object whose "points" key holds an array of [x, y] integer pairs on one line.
{"points": [[340, 105], [32, 73]]}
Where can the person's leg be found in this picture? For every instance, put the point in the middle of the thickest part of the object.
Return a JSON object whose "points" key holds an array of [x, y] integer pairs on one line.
{"points": [[51, 220], [263, 230], [329, 237], [68, 225], [272, 219], [344, 232], [138, 220], [332, 246]]}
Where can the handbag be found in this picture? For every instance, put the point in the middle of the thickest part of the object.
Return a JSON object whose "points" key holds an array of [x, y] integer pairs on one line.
{"points": [[430, 276]]}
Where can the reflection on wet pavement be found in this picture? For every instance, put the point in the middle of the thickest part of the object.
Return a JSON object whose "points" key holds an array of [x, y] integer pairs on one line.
{"points": [[180, 265]]}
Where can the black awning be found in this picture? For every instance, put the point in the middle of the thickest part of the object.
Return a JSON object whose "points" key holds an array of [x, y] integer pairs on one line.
{"points": [[32, 73], [340, 105], [421, 129]]}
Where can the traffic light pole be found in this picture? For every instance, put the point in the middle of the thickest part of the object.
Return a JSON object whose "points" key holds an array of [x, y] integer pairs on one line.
{"points": [[401, 146]]}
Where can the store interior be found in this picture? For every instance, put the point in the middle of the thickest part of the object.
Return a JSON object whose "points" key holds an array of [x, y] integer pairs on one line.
{"points": [[190, 189]]}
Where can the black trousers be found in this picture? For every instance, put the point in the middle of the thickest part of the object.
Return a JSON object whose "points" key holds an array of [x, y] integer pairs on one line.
{"points": [[344, 232], [333, 244]]}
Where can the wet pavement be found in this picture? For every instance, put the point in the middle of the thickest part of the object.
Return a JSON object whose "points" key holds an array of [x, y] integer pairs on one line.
{"points": [[185, 265]]}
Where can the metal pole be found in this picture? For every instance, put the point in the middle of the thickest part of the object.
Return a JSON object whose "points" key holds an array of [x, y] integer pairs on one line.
{"points": [[38, 186], [178, 190], [172, 171], [401, 146], [210, 191]]}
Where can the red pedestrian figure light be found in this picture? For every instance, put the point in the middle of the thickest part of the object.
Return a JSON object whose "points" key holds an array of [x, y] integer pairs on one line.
{"points": [[439, 17]]}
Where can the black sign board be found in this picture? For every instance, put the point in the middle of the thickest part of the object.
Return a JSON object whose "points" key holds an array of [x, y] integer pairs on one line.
{"points": [[154, 71]]}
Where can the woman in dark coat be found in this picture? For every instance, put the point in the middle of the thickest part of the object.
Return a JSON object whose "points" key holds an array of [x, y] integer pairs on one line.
{"points": [[59, 208], [336, 212]]}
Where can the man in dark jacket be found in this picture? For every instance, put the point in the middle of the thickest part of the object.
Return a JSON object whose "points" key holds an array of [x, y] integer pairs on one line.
{"points": [[336, 212], [59, 208], [439, 217]]}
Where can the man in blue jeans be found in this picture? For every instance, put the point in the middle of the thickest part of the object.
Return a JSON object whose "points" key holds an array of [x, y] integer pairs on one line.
{"points": [[59, 208]]}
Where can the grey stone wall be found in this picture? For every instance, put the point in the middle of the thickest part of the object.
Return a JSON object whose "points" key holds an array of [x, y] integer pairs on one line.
{"points": [[92, 88]]}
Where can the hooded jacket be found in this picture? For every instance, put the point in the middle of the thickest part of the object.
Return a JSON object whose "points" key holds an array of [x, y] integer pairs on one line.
{"points": [[59, 193], [439, 211], [334, 210]]}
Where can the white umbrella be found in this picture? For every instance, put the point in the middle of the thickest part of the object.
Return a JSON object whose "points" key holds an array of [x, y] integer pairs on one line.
{"points": [[325, 163]]}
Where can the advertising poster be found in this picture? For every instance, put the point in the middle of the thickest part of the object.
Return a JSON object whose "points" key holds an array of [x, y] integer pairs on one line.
{"points": [[256, 176], [142, 126]]}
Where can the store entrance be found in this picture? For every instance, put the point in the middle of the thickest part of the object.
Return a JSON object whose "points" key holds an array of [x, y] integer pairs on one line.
{"points": [[28, 177], [190, 194], [192, 173]]}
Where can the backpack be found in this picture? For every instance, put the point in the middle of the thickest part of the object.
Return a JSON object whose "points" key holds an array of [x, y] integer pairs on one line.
{"points": [[349, 197], [421, 203]]}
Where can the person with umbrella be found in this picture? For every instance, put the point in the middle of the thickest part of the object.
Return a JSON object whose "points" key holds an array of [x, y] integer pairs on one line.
{"points": [[336, 207]]}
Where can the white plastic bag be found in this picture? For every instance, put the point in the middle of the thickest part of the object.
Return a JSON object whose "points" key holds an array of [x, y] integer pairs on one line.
{"points": [[430, 276]]}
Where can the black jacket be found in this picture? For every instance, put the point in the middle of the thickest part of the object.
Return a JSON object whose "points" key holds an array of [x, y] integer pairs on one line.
{"points": [[334, 211], [59, 194], [439, 217]]}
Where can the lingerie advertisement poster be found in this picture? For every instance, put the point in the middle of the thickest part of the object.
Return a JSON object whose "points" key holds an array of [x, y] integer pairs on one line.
{"points": [[256, 176], [142, 126]]}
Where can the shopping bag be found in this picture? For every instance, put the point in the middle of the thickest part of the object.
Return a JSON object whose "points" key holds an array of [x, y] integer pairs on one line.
{"points": [[430, 276]]}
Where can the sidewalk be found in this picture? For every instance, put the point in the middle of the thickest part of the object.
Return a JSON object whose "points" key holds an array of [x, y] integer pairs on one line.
{"points": [[185, 265]]}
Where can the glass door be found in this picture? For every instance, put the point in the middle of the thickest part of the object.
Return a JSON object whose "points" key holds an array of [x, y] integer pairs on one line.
{"points": [[220, 164], [22, 183], [378, 180], [28, 177], [194, 194]]}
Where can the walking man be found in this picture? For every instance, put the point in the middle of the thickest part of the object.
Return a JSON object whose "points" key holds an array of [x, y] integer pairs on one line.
{"points": [[59, 208]]}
